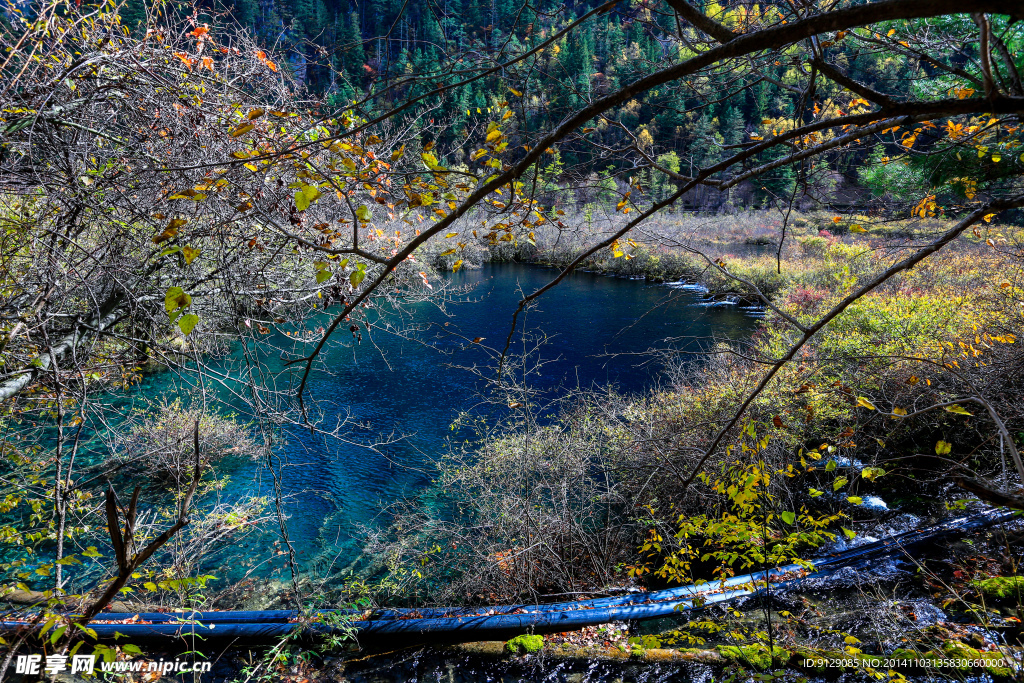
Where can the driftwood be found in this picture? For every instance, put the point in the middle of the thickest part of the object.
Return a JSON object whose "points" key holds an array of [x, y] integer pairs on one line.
{"points": [[33, 598], [990, 494]]}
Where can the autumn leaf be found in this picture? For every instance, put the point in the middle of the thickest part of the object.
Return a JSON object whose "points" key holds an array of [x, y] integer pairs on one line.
{"points": [[305, 195], [190, 254], [872, 473], [242, 130], [176, 299], [958, 409], [363, 213], [943, 448], [864, 403], [170, 231], [429, 159], [397, 154]]}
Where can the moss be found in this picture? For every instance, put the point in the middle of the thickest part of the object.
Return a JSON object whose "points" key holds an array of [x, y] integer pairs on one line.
{"points": [[755, 656], [1001, 586], [525, 644], [956, 650]]}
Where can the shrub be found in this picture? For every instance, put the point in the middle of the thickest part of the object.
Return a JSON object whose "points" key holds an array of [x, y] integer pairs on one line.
{"points": [[814, 246], [162, 444]]}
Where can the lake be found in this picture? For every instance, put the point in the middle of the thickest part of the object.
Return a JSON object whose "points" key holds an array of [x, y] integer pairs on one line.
{"points": [[597, 331]]}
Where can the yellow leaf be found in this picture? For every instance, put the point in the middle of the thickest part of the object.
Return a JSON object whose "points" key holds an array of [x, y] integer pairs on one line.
{"points": [[899, 411], [451, 234], [864, 403], [242, 130], [507, 115], [397, 154], [988, 217], [857, 228], [958, 409], [943, 448], [493, 135], [190, 254], [456, 266], [515, 92]]}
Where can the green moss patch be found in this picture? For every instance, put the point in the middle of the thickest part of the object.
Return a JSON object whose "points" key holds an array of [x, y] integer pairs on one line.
{"points": [[525, 644], [1001, 586]]}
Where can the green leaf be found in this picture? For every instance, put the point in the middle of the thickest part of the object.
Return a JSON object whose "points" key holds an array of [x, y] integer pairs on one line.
{"points": [[301, 201], [91, 552], [363, 213], [356, 277], [849, 533], [872, 473], [175, 299], [150, 586], [788, 517], [188, 323], [856, 500], [815, 492], [134, 649], [57, 633], [839, 483], [322, 276]]}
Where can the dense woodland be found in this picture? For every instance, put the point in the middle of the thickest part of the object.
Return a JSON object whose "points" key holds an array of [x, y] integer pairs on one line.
{"points": [[381, 55]]}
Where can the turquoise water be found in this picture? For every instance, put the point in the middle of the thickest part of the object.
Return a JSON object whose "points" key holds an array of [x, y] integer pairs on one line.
{"points": [[597, 329]]}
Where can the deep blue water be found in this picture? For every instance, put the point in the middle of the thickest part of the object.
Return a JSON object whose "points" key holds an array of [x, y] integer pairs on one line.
{"points": [[405, 387]]}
